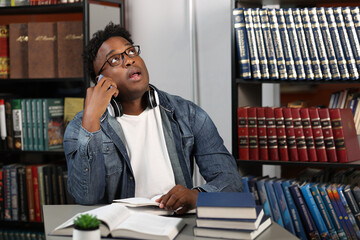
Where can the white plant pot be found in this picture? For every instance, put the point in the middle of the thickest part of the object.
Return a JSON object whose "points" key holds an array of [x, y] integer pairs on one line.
{"points": [[86, 235]]}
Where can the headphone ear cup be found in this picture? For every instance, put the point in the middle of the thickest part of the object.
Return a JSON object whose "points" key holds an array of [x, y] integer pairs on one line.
{"points": [[151, 99], [118, 111]]}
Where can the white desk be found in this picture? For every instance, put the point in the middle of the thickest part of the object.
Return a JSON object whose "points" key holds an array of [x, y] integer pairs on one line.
{"points": [[54, 215]]}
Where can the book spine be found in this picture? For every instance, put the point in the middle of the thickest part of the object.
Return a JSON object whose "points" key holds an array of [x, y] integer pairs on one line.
{"points": [[314, 211], [30, 193], [264, 69], [318, 135], [353, 37], [40, 127], [25, 142], [17, 124], [299, 29], [355, 209], [356, 193], [263, 196], [3, 133], [284, 209], [261, 123], [319, 41], [328, 134], [23, 208], [273, 202], [14, 194], [54, 183], [281, 134], [355, 11], [305, 215], [328, 43], [324, 214], [253, 50], [254, 190], [332, 213], [9, 124], [41, 184], [34, 124], [242, 45], [280, 58], [245, 181], [344, 38], [289, 59], [294, 43], [2, 194], [271, 134], [338, 134], [338, 48], [298, 226], [243, 134], [4, 51], [348, 210], [299, 135], [253, 136], [309, 137], [36, 193], [45, 106], [29, 125], [290, 135], [7, 194], [60, 182], [314, 56], [269, 45]]}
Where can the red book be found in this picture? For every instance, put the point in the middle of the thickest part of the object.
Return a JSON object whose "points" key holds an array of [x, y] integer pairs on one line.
{"points": [[281, 134], [318, 135], [243, 133], [299, 135], [290, 135], [4, 51], [253, 135], [36, 193], [309, 137], [261, 124], [343, 128], [30, 193], [328, 134], [271, 134]]}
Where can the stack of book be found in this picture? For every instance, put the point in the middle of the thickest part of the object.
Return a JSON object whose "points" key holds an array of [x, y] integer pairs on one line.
{"points": [[229, 215]]}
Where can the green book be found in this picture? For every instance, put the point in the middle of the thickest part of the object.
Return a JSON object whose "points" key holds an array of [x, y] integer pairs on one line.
{"points": [[40, 128], [29, 123], [34, 117], [53, 112], [24, 145]]}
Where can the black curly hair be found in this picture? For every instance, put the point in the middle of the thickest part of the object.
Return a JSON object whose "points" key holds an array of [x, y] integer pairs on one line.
{"points": [[98, 38]]}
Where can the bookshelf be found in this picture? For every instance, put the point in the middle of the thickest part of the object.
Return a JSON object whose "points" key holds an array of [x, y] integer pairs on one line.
{"points": [[91, 14], [252, 92]]}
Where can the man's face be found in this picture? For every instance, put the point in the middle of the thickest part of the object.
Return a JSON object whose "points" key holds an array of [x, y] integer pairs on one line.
{"points": [[131, 77]]}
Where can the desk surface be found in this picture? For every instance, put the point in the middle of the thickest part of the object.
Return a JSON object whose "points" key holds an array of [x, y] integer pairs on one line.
{"points": [[54, 215]]}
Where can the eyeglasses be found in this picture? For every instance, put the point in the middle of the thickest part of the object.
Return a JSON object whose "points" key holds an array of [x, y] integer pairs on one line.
{"points": [[118, 58]]}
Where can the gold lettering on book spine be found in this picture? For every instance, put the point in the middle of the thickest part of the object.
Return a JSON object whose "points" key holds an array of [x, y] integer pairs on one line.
{"points": [[22, 39], [45, 38], [74, 37]]}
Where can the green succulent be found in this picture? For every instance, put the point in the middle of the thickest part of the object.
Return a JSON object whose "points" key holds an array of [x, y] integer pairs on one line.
{"points": [[86, 222]]}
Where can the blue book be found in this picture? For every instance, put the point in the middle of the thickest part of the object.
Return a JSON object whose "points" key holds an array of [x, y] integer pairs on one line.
{"points": [[299, 29], [344, 38], [275, 33], [264, 69], [319, 41], [294, 43], [355, 11], [300, 232], [253, 189], [328, 43], [304, 212], [314, 211], [242, 45], [355, 209], [245, 180], [344, 202], [253, 50], [269, 45], [324, 214], [273, 202], [264, 199], [284, 35], [225, 205], [313, 53], [284, 209], [232, 223], [331, 211], [335, 37]]}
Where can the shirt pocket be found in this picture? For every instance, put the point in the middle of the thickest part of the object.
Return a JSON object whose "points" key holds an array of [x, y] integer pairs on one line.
{"points": [[112, 160]]}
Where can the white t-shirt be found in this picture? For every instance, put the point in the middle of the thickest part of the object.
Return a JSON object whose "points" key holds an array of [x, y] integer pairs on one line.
{"points": [[146, 147]]}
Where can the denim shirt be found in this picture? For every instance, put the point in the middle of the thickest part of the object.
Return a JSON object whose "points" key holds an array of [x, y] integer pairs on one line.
{"points": [[99, 168]]}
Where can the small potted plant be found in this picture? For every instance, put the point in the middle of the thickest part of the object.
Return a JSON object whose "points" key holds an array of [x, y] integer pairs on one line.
{"points": [[86, 226]]}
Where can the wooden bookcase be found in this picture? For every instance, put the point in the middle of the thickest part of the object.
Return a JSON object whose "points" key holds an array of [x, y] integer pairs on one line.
{"points": [[84, 11], [267, 93]]}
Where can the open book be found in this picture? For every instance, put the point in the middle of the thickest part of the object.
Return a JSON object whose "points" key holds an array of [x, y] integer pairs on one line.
{"points": [[118, 221]]}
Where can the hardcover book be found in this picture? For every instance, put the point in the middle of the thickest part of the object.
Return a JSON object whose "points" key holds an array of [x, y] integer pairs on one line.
{"points": [[263, 196], [272, 142], [318, 135], [69, 49], [290, 135], [253, 135], [299, 135], [309, 137], [53, 122], [328, 134], [4, 51], [274, 205], [18, 44], [43, 51], [17, 124], [281, 134], [243, 133], [261, 124]]}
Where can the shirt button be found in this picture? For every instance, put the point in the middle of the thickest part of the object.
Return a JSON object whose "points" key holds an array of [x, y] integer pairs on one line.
{"points": [[131, 178], [86, 169], [107, 149]]}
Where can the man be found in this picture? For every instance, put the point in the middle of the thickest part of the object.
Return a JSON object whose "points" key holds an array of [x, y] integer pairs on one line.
{"points": [[148, 149]]}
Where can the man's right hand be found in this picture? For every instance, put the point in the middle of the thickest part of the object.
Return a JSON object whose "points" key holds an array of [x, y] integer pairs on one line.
{"points": [[97, 99]]}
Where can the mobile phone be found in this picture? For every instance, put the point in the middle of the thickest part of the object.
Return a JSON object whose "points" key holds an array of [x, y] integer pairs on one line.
{"points": [[114, 107]]}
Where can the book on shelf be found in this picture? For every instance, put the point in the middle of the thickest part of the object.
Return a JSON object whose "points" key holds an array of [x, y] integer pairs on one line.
{"points": [[272, 143], [18, 47], [53, 123], [243, 133], [318, 135], [299, 135], [24, 124], [3, 132], [1, 194], [308, 134], [17, 124], [253, 189], [328, 134], [281, 134], [72, 105], [354, 207], [4, 51], [118, 221], [274, 205], [290, 135], [232, 223], [233, 233], [9, 124], [30, 193], [262, 135], [225, 205], [253, 135], [263, 196]]}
